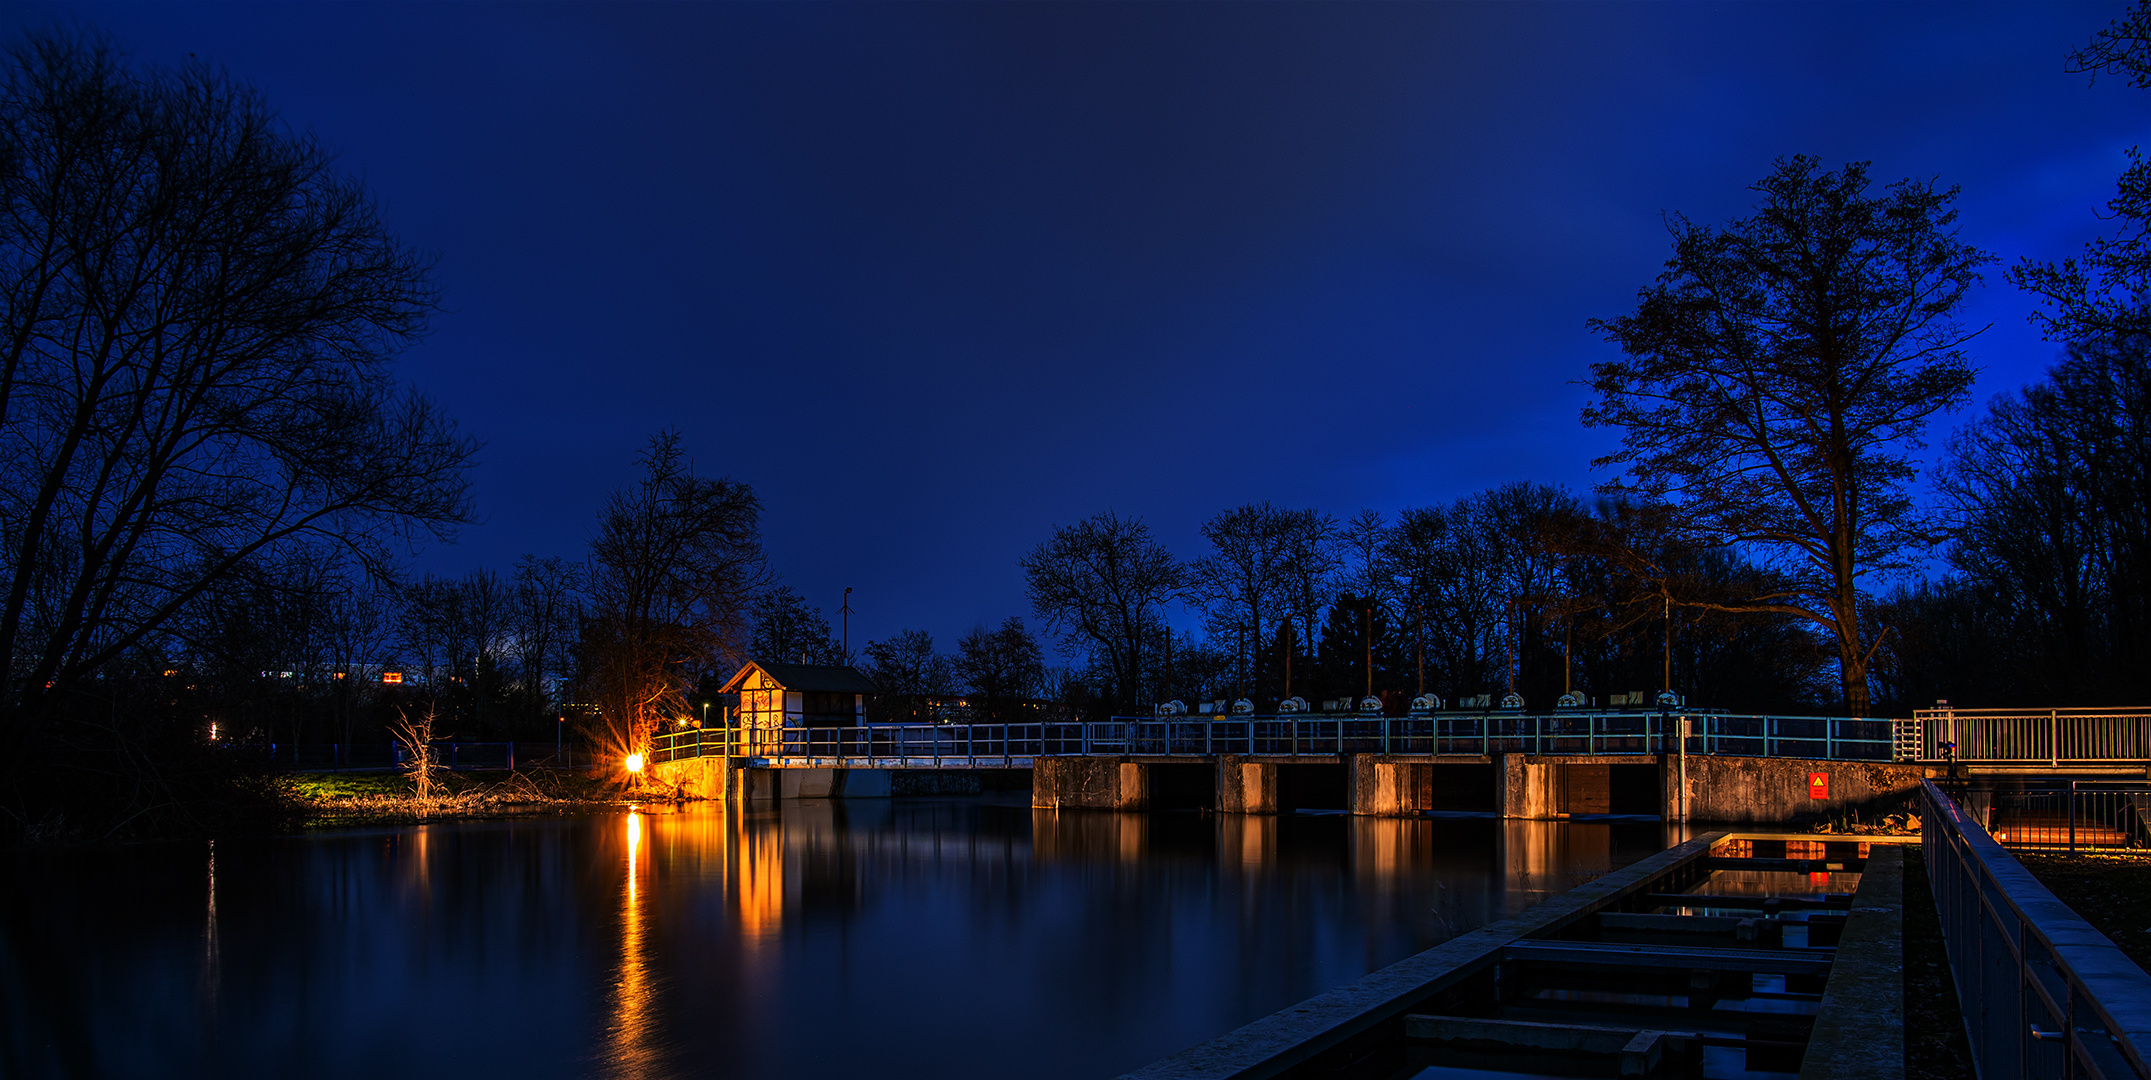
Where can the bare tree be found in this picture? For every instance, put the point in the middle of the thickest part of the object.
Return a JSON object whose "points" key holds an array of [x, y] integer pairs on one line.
{"points": [[2053, 530], [547, 609], [196, 318], [1103, 584], [789, 630], [355, 639], [429, 626], [1240, 584], [1781, 371], [1468, 573], [906, 668], [676, 562], [1308, 558], [1367, 572], [1000, 668]]}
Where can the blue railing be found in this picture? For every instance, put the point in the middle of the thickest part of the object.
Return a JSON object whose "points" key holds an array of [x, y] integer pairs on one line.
{"points": [[2043, 993], [1313, 735]]}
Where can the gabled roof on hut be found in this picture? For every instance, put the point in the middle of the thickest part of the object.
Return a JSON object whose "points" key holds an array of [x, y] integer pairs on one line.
{"points": [[813, 678]]}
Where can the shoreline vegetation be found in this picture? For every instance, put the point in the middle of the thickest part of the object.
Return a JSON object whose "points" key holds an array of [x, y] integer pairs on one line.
{"points": [[345, 800]]}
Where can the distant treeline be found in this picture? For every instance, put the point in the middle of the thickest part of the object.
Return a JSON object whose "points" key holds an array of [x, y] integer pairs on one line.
{"points": [[2047, 595]]}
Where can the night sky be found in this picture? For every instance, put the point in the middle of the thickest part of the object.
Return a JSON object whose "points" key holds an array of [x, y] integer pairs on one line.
{"points": [[935, 278]]}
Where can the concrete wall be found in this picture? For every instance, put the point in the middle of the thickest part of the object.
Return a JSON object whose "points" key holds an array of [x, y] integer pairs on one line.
{"points": [[1089, 783], [698, 778], [832, 783], [1529, 787], [1377, 786], [1245, 787], [1733, 790], [727, 780], [1749, 790]]}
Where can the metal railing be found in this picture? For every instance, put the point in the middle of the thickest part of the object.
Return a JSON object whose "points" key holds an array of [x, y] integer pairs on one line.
{"points": [[2042, 992], [882, 745], [1314, 735], [2053, 737], [2074, 815]]}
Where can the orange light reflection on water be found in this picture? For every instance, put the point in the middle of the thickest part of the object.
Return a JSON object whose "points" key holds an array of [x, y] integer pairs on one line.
{"points": [[630, 1053]]}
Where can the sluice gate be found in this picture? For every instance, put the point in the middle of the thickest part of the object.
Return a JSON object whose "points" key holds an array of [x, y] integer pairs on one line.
{"points": [[1728, 956]]}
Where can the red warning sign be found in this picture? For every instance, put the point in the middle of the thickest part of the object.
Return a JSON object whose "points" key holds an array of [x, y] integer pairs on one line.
{"points": [[1818, 785]]}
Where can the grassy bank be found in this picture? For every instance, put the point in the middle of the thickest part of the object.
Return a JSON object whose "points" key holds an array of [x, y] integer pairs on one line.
{"points": [[336, 800], [2111, 892]]}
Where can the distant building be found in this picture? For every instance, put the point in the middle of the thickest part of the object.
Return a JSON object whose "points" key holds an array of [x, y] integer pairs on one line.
{"points": [[800, 695]]}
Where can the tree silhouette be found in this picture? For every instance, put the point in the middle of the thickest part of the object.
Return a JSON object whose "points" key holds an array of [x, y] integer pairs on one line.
{"points": [[1779, 374]]}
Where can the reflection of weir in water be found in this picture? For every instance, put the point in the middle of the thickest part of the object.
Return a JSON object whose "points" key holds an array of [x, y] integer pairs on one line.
{"points": [[1539, 860], [745, 913], [673, 942]]}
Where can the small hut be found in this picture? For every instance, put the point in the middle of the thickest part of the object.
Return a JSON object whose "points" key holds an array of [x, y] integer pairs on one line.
{"points": [[800, 695]]}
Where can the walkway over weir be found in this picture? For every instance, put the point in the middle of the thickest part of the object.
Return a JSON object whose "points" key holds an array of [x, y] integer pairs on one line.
{"points": [[1678, 766], [1978, 741], [1476, 734]]}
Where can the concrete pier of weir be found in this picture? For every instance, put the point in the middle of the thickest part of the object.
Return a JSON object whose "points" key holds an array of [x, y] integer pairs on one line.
{"points": [[1742, 790], [1719, 788]]}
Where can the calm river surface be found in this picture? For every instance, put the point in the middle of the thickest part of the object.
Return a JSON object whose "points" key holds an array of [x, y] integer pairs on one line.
{"points": [[950, 937]]}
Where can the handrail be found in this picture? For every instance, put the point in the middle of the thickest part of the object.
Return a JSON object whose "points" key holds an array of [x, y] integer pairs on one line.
{"points": [[2046, 736], [1298, 735], [2039, 988], [2064, 711]]}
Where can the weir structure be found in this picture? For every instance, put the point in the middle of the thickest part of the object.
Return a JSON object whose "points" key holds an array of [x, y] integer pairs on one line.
{"points": [[1670, 765], [1726, 956]]}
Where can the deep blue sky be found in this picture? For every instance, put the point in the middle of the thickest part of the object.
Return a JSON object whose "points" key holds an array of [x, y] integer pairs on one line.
{"points": [[935, 278]]}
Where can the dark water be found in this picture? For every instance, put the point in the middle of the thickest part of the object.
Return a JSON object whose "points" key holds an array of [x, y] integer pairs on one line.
{"points": [[886, 938]]}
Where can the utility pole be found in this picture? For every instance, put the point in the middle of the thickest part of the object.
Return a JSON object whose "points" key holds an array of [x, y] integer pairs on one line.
{"points": [[1239, 682], [1288, 658], [846, 611], [1568, 660], [1511, 628], [1669, 643], [1165, 688], [1366, 630]]}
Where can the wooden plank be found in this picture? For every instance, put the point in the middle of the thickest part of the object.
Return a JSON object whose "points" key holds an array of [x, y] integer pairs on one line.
{"points": [[1274, 1044], [1838, 901], [1607, 954], [1793, 866], [1725, 925], [1761, 931], [1637, 1053], [1520, 1034]]}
